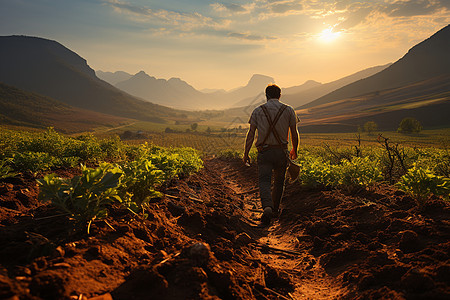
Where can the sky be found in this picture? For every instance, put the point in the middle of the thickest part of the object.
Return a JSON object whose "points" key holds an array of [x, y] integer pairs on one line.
{"points": [[221, 44]]}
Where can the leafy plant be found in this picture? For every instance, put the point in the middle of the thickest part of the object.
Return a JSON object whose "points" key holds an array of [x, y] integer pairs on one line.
{"points": [[421, 182], [359, 172], [315, 173], [84, 197], [5, 170], [141, 179]]}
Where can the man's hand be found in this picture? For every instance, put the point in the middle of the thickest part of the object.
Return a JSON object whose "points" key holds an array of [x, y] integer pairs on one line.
{"points": [[293, 154], [246, 159]]}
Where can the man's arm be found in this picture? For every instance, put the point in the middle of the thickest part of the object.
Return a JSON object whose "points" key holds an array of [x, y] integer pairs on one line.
{"points": [[249, 142], [294, 138]]}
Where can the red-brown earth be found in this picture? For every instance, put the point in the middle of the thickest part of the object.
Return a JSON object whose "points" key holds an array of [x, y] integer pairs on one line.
{"points": [[201, 242]]}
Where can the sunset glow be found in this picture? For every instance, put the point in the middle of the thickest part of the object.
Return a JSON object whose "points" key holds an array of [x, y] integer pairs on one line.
{"points": [[328, 36], [221, 44]]}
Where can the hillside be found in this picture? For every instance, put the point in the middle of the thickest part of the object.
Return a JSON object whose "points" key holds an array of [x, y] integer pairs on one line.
{"points": [[48, 68], [21, 108], [426, 60], [297, 96], [427, 100]]}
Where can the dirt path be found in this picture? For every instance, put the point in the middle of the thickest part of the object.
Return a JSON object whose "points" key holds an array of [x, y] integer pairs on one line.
{"points": [[279, 247]]}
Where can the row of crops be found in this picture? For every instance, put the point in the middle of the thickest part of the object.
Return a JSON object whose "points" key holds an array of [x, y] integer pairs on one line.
{"points": [[118, 173], [114, 172], [420, 172]]}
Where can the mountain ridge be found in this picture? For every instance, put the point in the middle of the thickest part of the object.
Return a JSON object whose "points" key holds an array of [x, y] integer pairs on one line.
{"points": [[48, 68]]}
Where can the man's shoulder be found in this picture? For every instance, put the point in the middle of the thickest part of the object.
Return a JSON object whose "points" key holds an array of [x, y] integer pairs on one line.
{"points": [[288, 106]]}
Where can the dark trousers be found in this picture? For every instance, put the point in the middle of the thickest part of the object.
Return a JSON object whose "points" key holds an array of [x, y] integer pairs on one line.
{"points": [[272, 160]]}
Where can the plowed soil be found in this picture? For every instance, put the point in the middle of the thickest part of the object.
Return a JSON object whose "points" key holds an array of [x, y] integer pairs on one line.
{"points": [[201, 241]]}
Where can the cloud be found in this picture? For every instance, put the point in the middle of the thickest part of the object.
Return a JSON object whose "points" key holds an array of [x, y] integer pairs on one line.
{"points": [[250, 37], [182, 21], [412, 8], [233, 8], [354, 18], [284, 7]]}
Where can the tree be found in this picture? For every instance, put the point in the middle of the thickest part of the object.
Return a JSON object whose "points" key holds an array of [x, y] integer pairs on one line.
{"points": [[409, 125], [370, 127], [194, 126]]}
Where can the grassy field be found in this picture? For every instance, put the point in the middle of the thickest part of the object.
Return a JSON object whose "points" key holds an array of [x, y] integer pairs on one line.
{"points": [[216, 143]]}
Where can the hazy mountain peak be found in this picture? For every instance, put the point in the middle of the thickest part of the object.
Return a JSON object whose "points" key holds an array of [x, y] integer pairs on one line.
{"points": [[176, 80], [312, 82], [259, 79], [113, 77], [141, 74]]}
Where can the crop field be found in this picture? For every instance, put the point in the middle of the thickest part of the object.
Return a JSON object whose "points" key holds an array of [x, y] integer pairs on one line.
{"points": [[175, 215]]}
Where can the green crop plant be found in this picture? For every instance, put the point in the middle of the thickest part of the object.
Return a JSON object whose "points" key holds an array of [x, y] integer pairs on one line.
{"points": [[5, 170], [86, 197], [421, 182], [359, 172], [316, 173], [140, 182]]}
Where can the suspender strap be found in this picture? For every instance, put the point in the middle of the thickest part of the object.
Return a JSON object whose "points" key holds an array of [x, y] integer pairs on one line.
{"points": [[272, 124]]}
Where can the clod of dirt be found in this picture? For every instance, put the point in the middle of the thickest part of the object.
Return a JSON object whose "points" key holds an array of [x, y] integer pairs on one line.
{"points": [[409, 241], [48, 285], [243, 239], [200, 253], [175, 210], [417, 281], [143, 283], [193, 221], [278, 279], [319, 228], [443, 273]]}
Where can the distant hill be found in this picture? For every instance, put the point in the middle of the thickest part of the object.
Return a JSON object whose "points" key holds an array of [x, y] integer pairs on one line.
{"points": [[113, 78], [20, 108], [173, 92], [179, 94], [300, 88], [246, 95], [48, 68], [300, 95], [426, 60]]}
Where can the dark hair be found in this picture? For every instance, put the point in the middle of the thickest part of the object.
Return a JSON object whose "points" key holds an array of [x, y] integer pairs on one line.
{"points": [[273, 91]]}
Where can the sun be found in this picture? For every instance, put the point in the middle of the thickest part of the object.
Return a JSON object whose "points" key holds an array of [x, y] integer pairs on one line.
{"points": [[328, 36]]}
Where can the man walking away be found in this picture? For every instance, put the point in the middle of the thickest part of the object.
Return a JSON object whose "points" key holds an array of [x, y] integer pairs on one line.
{"points": [[273, 120]]}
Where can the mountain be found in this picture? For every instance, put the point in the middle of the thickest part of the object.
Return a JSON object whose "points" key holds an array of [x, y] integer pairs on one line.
{"points": [[417, 85], [179, 94], [300, 88], [211, 91], [173, 92], [20, 108], [48, 68], [247, 94], [427, 59], [113, 78], [297, 96]]}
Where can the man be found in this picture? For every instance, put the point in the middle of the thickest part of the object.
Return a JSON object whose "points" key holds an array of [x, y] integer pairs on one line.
{"points": [[273, 120]]}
